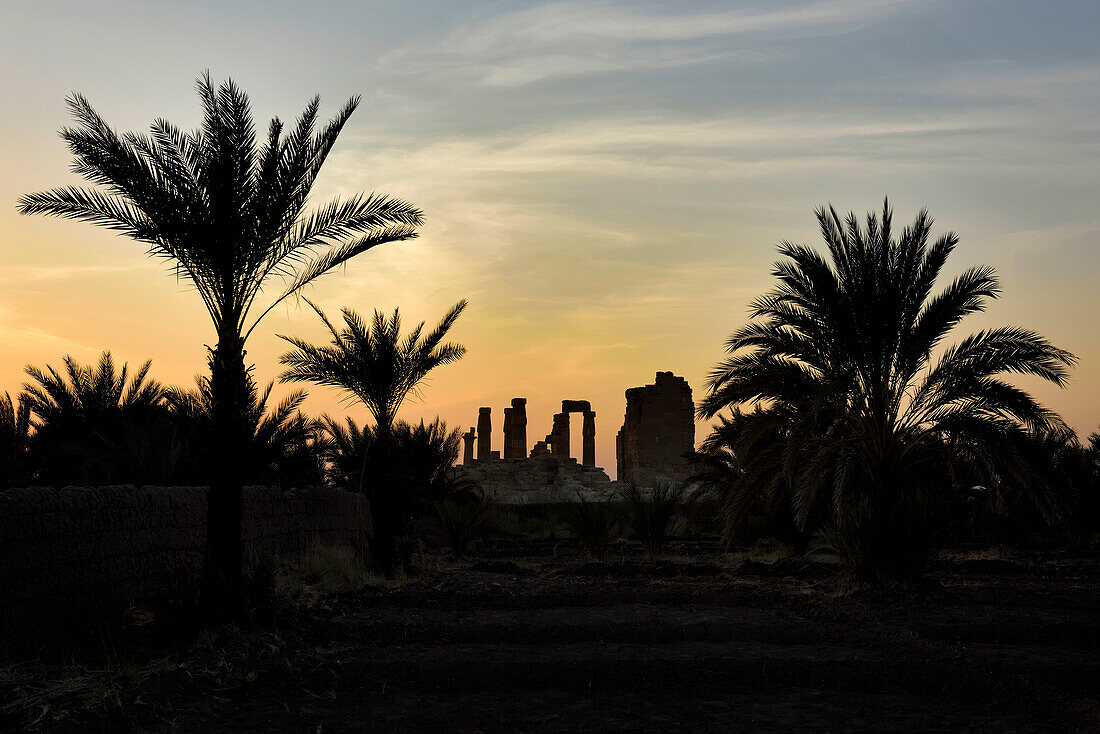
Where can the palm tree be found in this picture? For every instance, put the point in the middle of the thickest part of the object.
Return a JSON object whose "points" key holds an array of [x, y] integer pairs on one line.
{"points": [[281, 446], [417, 461], [372, 362], [756, 491], [344, 447], [840, 353], [378, 367], [85, 417], [228, 212], [424, 454], [15, 437]]}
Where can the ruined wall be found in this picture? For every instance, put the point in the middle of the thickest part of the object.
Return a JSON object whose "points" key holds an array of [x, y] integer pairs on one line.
{"points": [[76, 554], [658, 429], [541, 479]]}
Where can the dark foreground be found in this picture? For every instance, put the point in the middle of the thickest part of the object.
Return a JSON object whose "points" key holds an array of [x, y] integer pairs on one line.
{"points": [[538, 643]]}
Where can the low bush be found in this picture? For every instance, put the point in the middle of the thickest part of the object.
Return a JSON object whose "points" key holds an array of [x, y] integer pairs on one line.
{"points": [[323, 572], [652, 512], [593, 524], [464, 520]]}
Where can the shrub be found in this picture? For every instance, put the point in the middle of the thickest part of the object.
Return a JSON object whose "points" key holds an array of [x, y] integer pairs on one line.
{"points": [[593, 524], [464, 520], [323, 572], [651, 513], [402, 476]]}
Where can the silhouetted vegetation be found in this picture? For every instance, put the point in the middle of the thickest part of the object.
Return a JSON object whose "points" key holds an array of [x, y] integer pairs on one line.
{"points": [[281, 449], [97, 424], [93, 424], [756, 500], [593, 524], [464, 519], [651, 512], [228, 212], [864, 424], [379, 367], [15, 439]]}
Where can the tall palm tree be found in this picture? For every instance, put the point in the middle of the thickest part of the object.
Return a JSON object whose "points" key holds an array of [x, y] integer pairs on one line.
{"points": [[228, 212], [375, 365], [846, 352]]}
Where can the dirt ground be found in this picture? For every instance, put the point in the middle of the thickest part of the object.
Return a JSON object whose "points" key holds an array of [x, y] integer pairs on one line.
{"points": [[532, 637]]}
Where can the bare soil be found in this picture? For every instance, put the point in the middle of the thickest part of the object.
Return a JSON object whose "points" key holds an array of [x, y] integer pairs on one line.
{"points": [[532, 637]]}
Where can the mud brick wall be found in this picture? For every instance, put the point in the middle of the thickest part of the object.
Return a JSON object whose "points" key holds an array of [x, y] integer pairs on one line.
{"points": [[74, 555]]}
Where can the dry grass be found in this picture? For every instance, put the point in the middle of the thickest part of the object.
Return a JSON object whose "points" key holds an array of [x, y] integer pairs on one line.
{"points": [[324, 572]]}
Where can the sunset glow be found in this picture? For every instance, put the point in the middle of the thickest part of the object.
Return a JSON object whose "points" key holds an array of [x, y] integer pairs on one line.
{"points": [[606, 184]]}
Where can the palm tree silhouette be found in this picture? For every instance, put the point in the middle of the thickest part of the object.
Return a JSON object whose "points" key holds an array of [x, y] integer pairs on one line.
{"points": [[280, 450], [372, 361], [228, 213], [15, 438], [85, 417], [840, 356], [756, 488], [375, 365], [423, 453]]}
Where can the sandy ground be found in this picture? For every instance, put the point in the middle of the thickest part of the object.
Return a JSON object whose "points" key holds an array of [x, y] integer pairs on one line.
{"points": [[534, 638]]}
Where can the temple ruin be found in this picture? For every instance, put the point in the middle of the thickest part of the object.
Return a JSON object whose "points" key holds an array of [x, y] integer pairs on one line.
{"points": [[515, 429], [484, 434], [556, 442], [547, 473], [658, 431]]}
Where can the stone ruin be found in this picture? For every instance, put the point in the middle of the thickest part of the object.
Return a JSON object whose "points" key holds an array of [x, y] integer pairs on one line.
{"points": [[658, 430], [555, 444], [548, 473]]}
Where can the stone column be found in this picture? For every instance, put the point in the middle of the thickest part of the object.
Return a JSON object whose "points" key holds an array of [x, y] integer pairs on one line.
{"points": [[509, 431], [560, 434], [516, 447], [484, 433], [468, 447], [588, 435]]}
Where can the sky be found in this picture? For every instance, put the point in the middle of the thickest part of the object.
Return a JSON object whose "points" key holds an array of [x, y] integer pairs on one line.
{"points": [[605, 182]]}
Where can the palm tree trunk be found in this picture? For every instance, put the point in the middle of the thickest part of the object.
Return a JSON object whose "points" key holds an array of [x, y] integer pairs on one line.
{"points": [[383, 506], [221, 591]]}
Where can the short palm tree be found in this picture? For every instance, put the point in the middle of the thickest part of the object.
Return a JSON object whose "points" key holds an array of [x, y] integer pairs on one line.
{"points": [[846, 353], [425, 453], [280, 447], [757, 489], [15, 438], [228, 212], [417, 461], [375, 365], [343, 445], [85, 416]]}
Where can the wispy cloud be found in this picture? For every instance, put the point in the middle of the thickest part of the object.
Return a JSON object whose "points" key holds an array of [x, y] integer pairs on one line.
{"points": [[39, 273], [571, 39], [22, 336], [735, 146]]}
